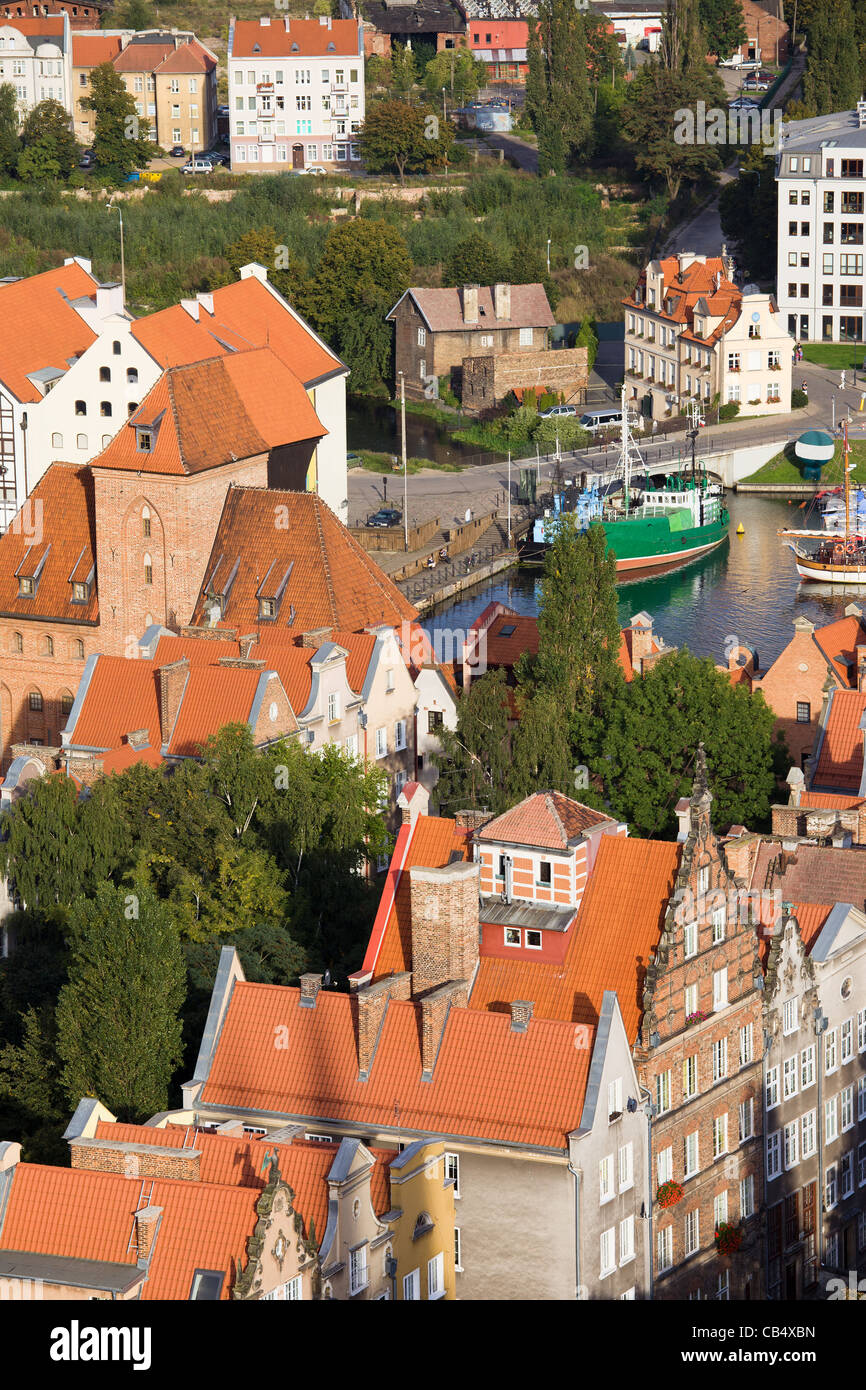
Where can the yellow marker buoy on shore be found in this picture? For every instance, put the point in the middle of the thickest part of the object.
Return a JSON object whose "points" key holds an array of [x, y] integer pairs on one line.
{"points": [[741, 530]]}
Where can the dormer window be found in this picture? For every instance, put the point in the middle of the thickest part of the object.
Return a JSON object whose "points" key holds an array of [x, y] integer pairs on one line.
{"points": [[80, 591], [143, 440], [267, 607], [26, 586]]}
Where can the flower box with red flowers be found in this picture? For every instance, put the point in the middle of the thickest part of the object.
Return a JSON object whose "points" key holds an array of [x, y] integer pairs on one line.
{"points": [[728, 1238], [669, 1194], [697, 1017]]}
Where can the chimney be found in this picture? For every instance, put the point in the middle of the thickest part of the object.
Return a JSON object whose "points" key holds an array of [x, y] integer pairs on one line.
{"points": [[109, 300], [796, 781], [502, 301], [310, 986], [146, 1226], [471, 819], [413, 801], [470, 303], [139, 738], [288, 24], [435, 1008], [247, 642], [444, 924], [316, 637], [246, 663], [265, 21], [683, 816], [170, 684], [371, 1003], [641, 639], [521, 1013]]}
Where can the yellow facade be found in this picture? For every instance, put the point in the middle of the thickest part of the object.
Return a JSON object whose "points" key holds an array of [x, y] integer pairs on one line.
{"points": [[422, 1200]]}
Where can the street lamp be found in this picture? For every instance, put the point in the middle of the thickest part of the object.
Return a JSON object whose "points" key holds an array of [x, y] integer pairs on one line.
{"points": [[548, 255], [119, 211], [444, 112]]}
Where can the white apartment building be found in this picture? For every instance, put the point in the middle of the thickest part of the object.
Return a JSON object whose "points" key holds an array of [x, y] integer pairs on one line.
{"points": [[36, 59], [692, 334], [296, 93], [820, 177]]}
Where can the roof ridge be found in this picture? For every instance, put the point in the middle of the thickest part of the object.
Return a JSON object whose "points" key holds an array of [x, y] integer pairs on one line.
{"points": [[169, 386], [326, 565], [551, 806]]}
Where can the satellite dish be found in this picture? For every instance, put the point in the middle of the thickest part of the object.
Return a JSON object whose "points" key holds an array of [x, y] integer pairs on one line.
{"points": [[751, 289]]}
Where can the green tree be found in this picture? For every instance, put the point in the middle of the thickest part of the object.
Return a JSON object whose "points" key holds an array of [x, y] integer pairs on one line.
{"points": [[458, 71], [377, 71], [121, 140], [475, 757], [50, 148], [557, 85], [540, 748], [134, 14], [10, 142], [474, 261], [586, 338], [748, 213], [118, 1018], [653, 729], [397, 135], [652, 123], [831, 80], [41, 852], [286, 271], [578, 628], [723, 25], [602, 50], [30, 1092], [404, 69], [365, 267]]}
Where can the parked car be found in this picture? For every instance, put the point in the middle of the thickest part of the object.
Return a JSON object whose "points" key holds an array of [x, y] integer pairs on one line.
{"points": [[198, 166], [177, 152], [87, 160], [758, 82], [557, 412], [385, 516], [315, 169], [744, 104]]}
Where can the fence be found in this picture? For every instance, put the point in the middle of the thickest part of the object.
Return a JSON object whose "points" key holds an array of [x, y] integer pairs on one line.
{"points": [[453, 570]]}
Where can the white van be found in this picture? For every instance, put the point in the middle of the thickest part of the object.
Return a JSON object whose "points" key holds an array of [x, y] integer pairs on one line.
{"points": [[198, 166], [605, 418]]}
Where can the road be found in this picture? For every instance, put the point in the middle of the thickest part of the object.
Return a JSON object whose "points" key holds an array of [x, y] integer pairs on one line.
{"points": [[524, 155]]}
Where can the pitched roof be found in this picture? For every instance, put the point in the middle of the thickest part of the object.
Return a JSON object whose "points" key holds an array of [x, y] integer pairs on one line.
{"points": [[203, 1226], [503, 648], [257, 401], [431, 842], [840, 761], [244, 314], [489, 1082], [55, 537], [292, 662], [40, 326], [46, 27], [617, 929], [89, 50], [306, 38], [442, 310], [330, 580], [837, 642], [547, 820], [188, 57], [828, 801], [812, 873], [141, 57], [696, 283]]}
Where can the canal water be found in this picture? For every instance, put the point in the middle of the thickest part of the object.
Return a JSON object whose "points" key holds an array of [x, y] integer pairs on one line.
{"points": [[748, 589], [375, 425]]}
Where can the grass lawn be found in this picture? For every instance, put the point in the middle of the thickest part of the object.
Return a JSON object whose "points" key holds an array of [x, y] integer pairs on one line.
{"points": [[382, 463], [845, 356], [785, 470]]}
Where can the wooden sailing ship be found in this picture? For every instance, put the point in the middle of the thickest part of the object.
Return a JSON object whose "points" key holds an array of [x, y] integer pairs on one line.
{"points": [[837, 557]]}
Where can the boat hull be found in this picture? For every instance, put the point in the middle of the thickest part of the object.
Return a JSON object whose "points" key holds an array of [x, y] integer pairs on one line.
{"points": [[647, 546], [829, 573]]}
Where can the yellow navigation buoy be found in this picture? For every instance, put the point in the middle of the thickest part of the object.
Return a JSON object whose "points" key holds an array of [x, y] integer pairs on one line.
{"points": [[741, 530]]}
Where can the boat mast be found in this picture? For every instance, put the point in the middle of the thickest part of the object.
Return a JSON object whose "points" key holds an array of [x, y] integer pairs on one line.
{"points": [[624, 458], [845, 451]]}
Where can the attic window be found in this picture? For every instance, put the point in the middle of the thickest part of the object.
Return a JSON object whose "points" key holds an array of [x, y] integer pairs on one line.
{"points": [[80, 592], [267, 607], [257, 48], [206, 1285], [508, 630], [332, 47], [26, 587], [295, 48], [143, 441]]}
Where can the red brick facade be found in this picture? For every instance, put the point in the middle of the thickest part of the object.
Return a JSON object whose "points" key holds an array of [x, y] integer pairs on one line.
{"points": [[696, 1091]]}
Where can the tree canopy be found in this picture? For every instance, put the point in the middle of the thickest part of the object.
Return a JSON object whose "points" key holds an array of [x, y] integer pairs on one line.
{"points": [[558, 100], [121, 140]]}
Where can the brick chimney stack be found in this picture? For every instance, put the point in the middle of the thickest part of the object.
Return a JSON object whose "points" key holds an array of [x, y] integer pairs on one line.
{"points": [[170, 684], [317, 637], [310, 986], [502, 301], [370, 1005], [470, 303], [444, 913], [521, 1013], [435, 1008], [146, 1226]]}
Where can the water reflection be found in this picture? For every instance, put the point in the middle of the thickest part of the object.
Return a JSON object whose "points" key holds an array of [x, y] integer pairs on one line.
{"points": [[748, 587]]}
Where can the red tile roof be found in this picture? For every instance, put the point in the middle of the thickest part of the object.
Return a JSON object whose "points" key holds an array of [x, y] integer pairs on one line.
{"points": [[697, 282], [188, 57], [51, 26], [837, 642], [827, 801], [57, 530], [547, 820], [840, 761], [489, 1082], [811, 873], [40, 327], [259, 403], [618, 927], [430, 843], [442, 309], [89, 50], [120, 698], [203, 1226], [199, 651], [245, 314], [333, 582], [292, 662], [306, 38]]}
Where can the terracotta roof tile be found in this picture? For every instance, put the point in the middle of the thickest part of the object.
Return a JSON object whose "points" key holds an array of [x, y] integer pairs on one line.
{"points": [[840, 762], [827, 801], [811, 873], [188, 57], [617, 929], [213, 696], [548, 820], [89, 50], [837, 642], [120, 698], [430, 843], [40, 326], [56, 526], [199, 651], [489, 1082], [306, 38], [332, 582]]}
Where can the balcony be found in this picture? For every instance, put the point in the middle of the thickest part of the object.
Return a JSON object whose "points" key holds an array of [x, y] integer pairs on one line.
{"points": [[339, 86]]}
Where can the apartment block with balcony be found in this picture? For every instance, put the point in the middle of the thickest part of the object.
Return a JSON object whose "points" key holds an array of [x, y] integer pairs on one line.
{"points": [[692, 334], [296, 93], [36, 60], [821, 185]]}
